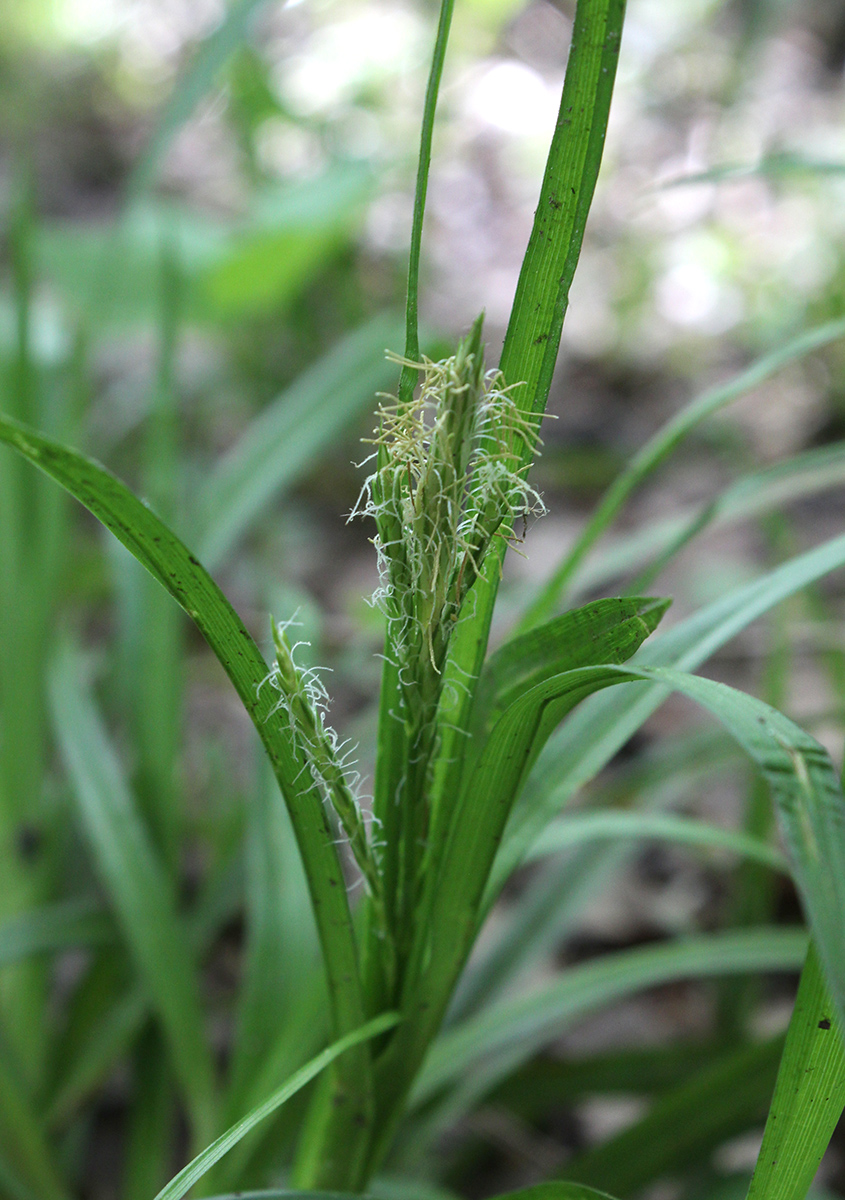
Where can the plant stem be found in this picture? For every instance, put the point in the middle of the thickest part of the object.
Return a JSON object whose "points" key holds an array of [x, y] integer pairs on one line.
{"points": [[408, 378]]}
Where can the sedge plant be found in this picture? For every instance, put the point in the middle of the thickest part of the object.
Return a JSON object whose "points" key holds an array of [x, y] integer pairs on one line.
{"points": [[477, 755]]}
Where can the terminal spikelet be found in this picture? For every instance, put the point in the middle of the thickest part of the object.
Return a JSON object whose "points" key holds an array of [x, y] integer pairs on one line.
{"points": [[449, 479]]}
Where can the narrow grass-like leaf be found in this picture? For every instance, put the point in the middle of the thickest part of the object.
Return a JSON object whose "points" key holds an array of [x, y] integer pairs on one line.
{"points": [[759, 492], [55, 927], [532, 339], [281, 948], [188, 1176], [809, 1094], [189, 90], [591, 736], [23, 1141], [181, 573], [555, 1191], [682, 831], [136, 883], [809, 802], [409, 375], [282, 442], [659, 447], [725, 1098], [609, 630], [531, 1021]]}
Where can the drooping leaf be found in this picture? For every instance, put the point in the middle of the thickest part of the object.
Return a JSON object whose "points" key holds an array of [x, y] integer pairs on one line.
{"points": [[592, 735]]}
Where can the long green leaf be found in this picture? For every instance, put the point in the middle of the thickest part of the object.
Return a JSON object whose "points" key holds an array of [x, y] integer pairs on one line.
{"points": [[532, 339], [795, 766], [724, 1098], [531, 1021], [609, 630], [181, 573], [809, 1094], [188, 1176], [135, 881], [287, 436], [683, 831], [592, 735], [660, 446], [190, 89], [55, 927], [555, 1191], [759, 492]]}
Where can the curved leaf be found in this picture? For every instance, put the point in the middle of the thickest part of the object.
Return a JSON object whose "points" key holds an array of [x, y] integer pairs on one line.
{"points": [[684, 831], [188, 1176], [528, 1022], [179, 571], [592, 735]]}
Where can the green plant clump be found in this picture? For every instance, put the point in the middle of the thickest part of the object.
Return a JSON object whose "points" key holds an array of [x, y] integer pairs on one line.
{"points": [[381, 1027]]}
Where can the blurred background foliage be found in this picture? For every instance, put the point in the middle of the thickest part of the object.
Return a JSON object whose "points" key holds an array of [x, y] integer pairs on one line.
{"points": [[205, 214]]}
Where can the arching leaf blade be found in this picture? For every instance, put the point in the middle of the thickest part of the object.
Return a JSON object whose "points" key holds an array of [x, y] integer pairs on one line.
{"points": [[199, 1166]]}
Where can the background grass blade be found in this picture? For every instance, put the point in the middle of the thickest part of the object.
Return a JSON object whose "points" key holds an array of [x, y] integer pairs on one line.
{"points": [[809, 1094], [531, 1021], [136, 883], [188, 1176], [555, 1191], [287, 437], [723, 1099], [593, 734], [659, 447], [194, 84], [683, 831], [754, 494], [183, 576], [55, 927]]}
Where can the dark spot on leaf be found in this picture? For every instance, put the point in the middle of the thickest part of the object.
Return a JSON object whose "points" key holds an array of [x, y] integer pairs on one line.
{"points": [[29, 842], [824, 1023], [194, 561]]}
